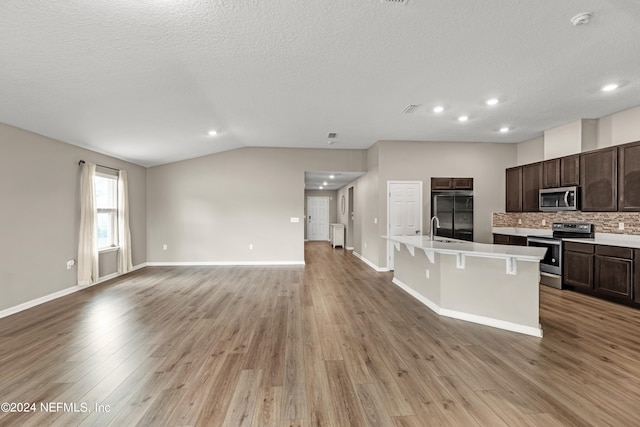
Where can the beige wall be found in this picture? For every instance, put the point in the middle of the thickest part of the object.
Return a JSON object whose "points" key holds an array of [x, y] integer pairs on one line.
{"points": [[366, 236], [570, 138], [582, 135], [419, 161], [619, 128], [530, 151], [40, 215], [210, 209]]}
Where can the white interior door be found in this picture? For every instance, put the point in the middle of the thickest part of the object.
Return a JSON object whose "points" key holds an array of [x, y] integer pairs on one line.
{"points": [[317, 218], [404, 211]]}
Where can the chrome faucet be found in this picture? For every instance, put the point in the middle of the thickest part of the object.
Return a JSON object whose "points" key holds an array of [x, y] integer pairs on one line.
{"points": [[431, 231]]}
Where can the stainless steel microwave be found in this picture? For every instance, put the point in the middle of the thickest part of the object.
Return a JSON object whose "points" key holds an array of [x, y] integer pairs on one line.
{"points": [[560, 199]]}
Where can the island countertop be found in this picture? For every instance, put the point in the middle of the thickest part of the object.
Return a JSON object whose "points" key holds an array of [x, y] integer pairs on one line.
{"points": [[452, 246], [493, 285]]}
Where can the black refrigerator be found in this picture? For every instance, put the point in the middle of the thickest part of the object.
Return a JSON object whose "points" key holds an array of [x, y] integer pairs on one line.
{"points": [[454, 210]]}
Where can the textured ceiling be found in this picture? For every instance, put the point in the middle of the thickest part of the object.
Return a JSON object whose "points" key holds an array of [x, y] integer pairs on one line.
{"points": [[145, 80]]}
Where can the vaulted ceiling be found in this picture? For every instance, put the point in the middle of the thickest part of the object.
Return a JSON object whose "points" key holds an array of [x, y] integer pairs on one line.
{"points": [[147, 80]]}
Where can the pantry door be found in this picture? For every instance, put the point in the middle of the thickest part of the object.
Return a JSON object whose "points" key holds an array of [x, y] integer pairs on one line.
{"points": [[404, 212]]}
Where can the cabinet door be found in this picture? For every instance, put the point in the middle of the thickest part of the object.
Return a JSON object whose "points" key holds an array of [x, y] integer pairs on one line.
{"points": [[441, 183], [629, 177], [518, 240], [531, 183], [500, 239], [577, 270], [613, 277], [551, 173], [599, 180], [570, 170], [636, 275], [463, 183], [514, 189]]}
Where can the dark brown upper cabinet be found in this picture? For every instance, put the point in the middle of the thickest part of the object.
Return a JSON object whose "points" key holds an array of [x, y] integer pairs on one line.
{"points": [[598, 179], [629, 177], [551, 173], [531, 184], [513, 201], [570, 170], [463, 183], [451, 183]]}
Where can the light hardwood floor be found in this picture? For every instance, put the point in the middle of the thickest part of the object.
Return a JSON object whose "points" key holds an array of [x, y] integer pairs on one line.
{"points": [[331, 343]]}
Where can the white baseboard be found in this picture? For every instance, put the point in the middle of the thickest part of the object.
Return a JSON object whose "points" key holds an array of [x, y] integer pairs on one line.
{"points": [[222, 263], [426, 301], [369, 263], [482, 320], [30, 304]]}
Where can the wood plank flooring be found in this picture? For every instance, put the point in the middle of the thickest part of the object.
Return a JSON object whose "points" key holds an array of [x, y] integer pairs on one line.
{"points": [[332, 343]]}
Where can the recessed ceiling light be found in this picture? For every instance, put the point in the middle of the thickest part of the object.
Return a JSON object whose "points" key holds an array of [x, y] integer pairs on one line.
{"points": [[504, 129], [438, 109], [321, 187], [492, 101], [324, 183], [463, 118], [610, 87], [212, 132], [331, 176]]}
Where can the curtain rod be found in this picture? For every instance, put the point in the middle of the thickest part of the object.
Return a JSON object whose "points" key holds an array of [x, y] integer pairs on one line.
{"points": [[106, 167]]}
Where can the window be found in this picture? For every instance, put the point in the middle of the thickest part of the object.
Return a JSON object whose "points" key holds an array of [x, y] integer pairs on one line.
{"points": [[107, 205]]}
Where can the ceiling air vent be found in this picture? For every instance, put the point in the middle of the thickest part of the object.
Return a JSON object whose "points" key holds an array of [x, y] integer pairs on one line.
{"points": [[411, 108], [332, 135], [398, 2]]}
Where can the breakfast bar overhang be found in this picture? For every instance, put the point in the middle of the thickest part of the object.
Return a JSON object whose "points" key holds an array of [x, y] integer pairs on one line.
{"points": [[494, 285]]}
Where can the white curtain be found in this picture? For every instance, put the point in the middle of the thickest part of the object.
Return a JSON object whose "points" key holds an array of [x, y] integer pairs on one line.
{"points": [[124, 232], [88, 241]]}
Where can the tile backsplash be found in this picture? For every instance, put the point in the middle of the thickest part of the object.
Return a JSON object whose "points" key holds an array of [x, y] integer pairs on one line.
{"points": [[604, 222]]}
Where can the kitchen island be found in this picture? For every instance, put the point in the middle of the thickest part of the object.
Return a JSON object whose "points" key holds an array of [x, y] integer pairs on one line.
{"points": [[494, 285]]}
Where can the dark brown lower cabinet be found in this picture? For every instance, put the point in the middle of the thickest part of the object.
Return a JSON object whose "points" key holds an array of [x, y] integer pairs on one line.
{"points": [[614, 272], [611, 272], [506, 239], [577, 265], [636, 275]]}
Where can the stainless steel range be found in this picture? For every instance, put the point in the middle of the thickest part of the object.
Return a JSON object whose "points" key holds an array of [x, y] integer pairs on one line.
{"points": [[551, 265]]}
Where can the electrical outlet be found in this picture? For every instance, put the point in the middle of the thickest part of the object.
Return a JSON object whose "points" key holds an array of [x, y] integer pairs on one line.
{"points": [[375, 220], [250, 246], [427, 273], [544, 221], [519, 221], [621, 226], [164, 247]]}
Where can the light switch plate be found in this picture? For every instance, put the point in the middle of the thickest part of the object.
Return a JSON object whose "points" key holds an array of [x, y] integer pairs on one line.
{"points": [[293, 219]]}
